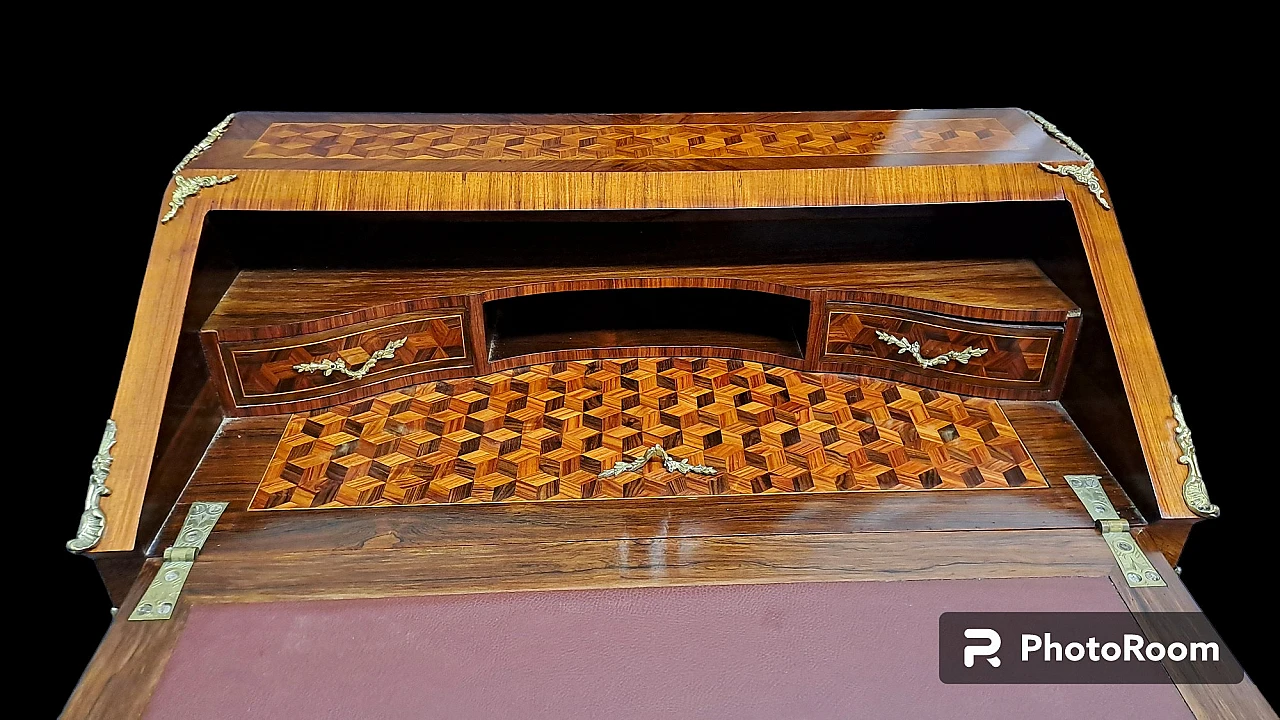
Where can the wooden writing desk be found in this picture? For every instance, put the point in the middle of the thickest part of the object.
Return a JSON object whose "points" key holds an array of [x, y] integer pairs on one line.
{"points": [[419, 355]]}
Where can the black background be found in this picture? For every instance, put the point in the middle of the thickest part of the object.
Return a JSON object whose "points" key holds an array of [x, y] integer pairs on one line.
{"points": [[1176, 156]]}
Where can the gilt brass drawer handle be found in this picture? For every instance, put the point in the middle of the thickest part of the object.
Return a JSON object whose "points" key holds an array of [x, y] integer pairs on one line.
{"points": [[961, 356], [669, 463], [327, 366]]}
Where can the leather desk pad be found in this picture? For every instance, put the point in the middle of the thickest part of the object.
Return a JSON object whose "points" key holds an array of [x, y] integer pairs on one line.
{"points": [[803, 650]]}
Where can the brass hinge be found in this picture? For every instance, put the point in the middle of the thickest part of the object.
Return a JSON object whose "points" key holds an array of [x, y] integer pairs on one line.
{"points": [[161, 597], [1138, 571]]}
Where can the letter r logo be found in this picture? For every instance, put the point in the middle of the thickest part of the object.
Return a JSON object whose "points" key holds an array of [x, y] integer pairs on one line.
{"points": [[993, 645]]}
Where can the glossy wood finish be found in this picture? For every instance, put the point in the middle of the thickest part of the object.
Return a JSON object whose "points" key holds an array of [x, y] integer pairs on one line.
{"points": [[127, 665], [175, 466], [1242, 700], [798, 182], [622, 143], [422, 570], [548, 432], [289, 164], [1146, 387], [775, 314], [261, 373], [123, 675], [740, 138], [1014, 291], [234, 466], [140, 400], [256, 556], [1026, 361]]}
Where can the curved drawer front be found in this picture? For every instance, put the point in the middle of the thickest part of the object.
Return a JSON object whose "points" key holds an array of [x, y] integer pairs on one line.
{"points": [[998, 360], [316, 369]]}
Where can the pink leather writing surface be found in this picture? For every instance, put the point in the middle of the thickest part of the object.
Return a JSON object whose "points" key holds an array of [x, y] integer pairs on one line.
{"points": [[806, 650]]}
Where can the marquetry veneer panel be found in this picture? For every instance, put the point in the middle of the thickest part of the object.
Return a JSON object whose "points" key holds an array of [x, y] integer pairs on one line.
{"points": [[424, 141], [1020, 357], [545, 432], [264, 372]]}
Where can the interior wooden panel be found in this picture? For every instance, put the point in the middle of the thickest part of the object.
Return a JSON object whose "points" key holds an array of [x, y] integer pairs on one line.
{"points": [[539, 324], [548, 432], [764, 313], [1028, 361], [254, 372], [141, 397], [574, 289], [997, 289], [233, 468], [635, 563], [438, 338]]}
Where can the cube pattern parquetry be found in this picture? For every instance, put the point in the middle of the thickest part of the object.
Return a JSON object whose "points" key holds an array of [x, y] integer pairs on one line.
{"points": [[272, 370], [424, 141], [1007, 357], [545, 432]]}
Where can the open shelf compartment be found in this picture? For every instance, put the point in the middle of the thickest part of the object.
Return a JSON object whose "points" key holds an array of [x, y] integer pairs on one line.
{"points": [[646, 317]]}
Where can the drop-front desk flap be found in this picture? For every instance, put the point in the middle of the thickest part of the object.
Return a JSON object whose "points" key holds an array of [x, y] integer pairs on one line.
{"points": [[698, 415]]}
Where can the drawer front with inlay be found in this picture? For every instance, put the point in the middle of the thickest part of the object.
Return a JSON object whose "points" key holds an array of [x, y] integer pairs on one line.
{"points": [[1019, 361], [348, 362]]}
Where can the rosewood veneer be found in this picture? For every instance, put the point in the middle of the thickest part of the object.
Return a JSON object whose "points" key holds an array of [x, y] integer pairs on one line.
{"points": [[399, 355]]}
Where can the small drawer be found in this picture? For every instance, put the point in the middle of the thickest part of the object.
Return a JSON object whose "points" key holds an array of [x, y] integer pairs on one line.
{"points": [[304, 371], [1014, 361]]}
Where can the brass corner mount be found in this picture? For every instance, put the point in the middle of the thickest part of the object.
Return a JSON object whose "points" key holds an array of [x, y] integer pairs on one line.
{"points": [[1082, 174], [1194, 492], [93, 523], [188, 187]]}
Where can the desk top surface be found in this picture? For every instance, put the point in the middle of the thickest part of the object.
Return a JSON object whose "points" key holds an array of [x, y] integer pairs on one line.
{"points": [[411, 142]]}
